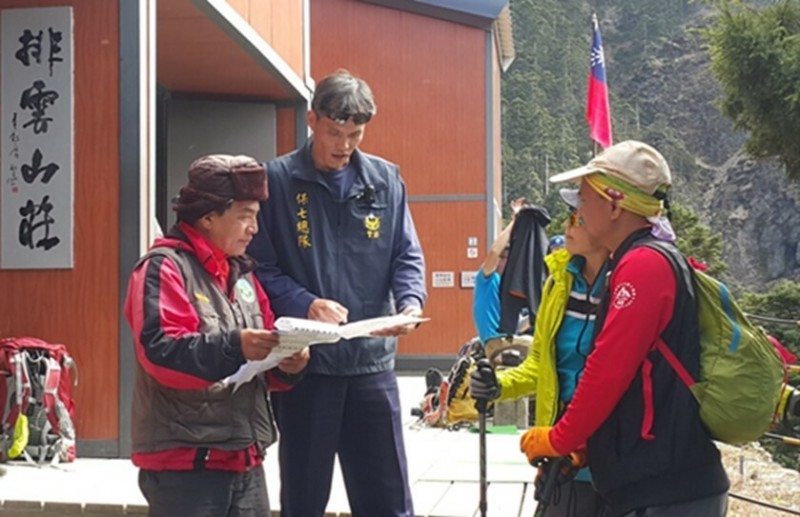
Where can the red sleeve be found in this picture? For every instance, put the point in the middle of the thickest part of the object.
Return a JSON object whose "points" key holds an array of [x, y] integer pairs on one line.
{"points": [[165, 328], [280, 381], [263, 302], [642, 297]]}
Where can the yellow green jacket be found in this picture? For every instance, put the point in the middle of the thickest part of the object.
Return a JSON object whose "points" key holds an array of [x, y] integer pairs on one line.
{"points": [[537, 375]]}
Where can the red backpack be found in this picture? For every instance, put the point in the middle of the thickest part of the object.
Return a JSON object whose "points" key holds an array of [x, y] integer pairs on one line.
{"points": [[37, 406]]}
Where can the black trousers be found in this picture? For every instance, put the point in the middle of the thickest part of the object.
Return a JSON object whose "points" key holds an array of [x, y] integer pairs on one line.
{"points": [[358, 419], [714, 506], [205, 493], [575, 499]]}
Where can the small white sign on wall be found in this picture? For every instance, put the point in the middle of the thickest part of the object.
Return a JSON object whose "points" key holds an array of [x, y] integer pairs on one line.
{"points": [[443, 279], [472, 241], [36, 138], [468, 279], [472, 253]]}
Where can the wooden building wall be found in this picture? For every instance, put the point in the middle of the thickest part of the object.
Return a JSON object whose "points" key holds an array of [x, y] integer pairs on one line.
{"points": [[497, 154], [79, 306], [280, 23], [428, 77], [285, 127]]}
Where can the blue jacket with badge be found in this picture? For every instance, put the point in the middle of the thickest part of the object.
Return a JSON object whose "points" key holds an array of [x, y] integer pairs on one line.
{"points": [[362, 252]]}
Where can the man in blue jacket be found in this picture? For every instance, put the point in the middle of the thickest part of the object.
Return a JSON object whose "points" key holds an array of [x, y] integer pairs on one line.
{"points": [[341, 246]]}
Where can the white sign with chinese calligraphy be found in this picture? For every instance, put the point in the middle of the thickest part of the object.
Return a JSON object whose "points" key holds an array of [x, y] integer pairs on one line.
{"points": [[36, 138]]}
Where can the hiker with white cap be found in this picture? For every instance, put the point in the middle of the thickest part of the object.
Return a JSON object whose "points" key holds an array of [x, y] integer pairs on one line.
{"points": [[648, 452], [562, 341]]}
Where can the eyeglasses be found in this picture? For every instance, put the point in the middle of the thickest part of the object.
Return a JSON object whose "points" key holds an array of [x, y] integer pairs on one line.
{"points": [[574, 219], [341, 117]]}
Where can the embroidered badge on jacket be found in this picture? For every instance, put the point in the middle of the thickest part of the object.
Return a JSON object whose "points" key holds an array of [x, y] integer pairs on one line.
{"points": [[624, 295], [245, 291], [373, 225]]}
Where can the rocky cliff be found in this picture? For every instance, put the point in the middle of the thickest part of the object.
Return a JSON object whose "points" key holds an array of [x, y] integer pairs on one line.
{"points": [[750, 202]]}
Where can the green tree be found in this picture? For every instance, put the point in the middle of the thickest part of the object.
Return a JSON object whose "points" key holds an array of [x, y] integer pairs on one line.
{"points": [[696, 239], [781, 302], [544, 90], [755, 54]]}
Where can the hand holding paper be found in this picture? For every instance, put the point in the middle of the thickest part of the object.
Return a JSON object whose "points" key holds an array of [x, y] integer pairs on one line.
{"points": [[258, 343], [331, 311], [294, 334], [296, 362], [402, 329]]}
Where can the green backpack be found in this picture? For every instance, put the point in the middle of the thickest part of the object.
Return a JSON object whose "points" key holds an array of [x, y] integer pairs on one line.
{"points": [[741, 372]]}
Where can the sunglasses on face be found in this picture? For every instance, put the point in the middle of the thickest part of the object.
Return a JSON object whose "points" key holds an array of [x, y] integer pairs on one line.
{"points": [[574, 218], [341, 117]]}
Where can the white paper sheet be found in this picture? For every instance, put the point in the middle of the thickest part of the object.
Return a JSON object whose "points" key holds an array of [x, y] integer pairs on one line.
{"points": [[298, 333]]}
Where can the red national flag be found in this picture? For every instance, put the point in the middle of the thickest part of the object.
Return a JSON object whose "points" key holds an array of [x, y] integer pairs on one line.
{"points": [[598, 113]]}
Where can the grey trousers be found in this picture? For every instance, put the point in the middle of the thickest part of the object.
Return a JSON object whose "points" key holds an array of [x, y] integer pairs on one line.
{"points": [[205, 493]]}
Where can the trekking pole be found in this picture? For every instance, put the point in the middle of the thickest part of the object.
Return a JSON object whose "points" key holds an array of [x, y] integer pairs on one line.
{"points": [[788, 440], [551, 469], [481, 406]]}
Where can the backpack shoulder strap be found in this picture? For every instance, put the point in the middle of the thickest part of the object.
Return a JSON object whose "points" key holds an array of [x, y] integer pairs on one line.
{"points": [[684, 278], [683, 272], [52, 379]]}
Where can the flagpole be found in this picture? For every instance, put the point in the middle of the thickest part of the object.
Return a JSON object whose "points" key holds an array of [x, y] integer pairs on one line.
{"points": [[594, 28], [598, 112], [546, 175]]}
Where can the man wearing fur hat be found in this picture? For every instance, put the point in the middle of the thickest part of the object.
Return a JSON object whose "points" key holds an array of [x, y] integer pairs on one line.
{"points": [[340, 246], [648, 451], [197, 314]]}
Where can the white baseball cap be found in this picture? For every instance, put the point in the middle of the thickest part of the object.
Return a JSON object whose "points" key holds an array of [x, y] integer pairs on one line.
{"points": [[633, 162]]}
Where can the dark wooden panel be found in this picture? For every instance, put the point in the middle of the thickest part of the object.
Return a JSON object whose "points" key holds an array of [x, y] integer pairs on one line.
{"points": [[78, 307], [444, 229], [285, 130], [428, 79]]}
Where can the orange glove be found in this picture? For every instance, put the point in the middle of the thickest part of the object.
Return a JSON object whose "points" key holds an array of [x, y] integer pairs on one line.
{"points": [[535, 443], [578, 458]]}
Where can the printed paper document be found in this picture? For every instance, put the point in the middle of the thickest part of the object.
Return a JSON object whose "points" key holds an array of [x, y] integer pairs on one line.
{"points": [[298, 333]]}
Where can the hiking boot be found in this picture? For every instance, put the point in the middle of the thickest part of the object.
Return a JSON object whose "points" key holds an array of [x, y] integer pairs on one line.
{"points": [[433, 379]]}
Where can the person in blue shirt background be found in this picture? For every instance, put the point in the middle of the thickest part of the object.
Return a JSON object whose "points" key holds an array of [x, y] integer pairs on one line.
{"points": [[486, 308], [486, 296], [341, 246]]}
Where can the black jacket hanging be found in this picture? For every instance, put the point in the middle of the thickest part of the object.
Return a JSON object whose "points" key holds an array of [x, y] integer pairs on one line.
{"points": [[525, 272]]}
